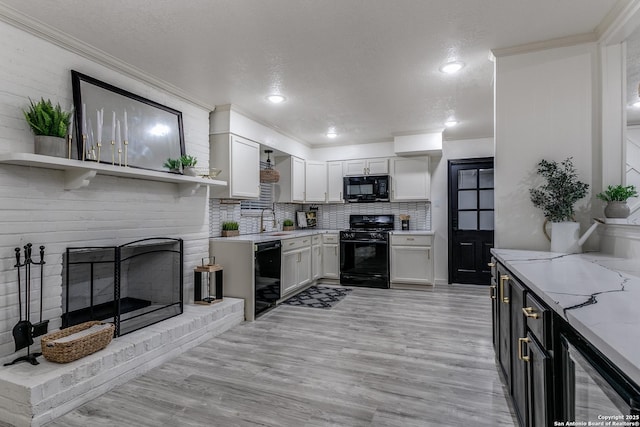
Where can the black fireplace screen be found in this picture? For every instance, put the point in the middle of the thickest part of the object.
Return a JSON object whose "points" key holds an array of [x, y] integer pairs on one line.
{"points": [[133, 285]]}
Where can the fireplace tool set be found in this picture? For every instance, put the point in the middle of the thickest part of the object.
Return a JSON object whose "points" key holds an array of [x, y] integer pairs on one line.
{"points": [[24, 331]]}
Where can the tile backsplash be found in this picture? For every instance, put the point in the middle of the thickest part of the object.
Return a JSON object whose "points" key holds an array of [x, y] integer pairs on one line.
{"points": [[332, 217]]}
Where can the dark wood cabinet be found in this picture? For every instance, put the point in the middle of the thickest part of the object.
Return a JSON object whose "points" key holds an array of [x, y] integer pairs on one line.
{"points": [[523, 343]]}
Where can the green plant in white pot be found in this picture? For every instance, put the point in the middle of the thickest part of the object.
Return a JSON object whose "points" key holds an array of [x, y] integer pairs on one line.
{"points": [[557, 198], [188, 165], [50, 125], [616, 198]]}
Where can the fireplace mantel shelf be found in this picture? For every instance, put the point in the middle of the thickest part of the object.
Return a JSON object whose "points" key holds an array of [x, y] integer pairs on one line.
{"points": [[79, 174]]}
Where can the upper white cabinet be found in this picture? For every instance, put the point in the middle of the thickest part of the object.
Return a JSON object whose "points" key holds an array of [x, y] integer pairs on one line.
{"points": [[239, 160], [410, 179], [291, 187], [316, 181], [334, 182], [366, 167]]}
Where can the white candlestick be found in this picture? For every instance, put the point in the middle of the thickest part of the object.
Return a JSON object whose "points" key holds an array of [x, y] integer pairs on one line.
{"points": [[84, 119], [126, 127], [99, 125], [113, 127], [118, 140]]}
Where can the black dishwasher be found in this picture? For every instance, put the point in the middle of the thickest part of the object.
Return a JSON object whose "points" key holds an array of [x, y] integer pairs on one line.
{"points": [[267, 275]]}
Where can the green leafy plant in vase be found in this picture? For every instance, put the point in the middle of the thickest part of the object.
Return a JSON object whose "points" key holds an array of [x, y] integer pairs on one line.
{"points": [[50, 125], [173, 165], [616, 198], [557, 198], [287, 225], [230, 229], [188, 165]]}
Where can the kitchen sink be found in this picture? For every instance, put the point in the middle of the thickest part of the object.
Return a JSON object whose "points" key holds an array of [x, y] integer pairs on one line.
{"points": [[279, 234]]}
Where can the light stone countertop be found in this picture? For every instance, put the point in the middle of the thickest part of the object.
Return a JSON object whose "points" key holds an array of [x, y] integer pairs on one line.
{"points": [[597, 294], [414, 232], [270, 236]]}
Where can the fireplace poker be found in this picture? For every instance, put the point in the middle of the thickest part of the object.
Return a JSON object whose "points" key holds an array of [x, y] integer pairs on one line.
{"points": [[41, 327]]}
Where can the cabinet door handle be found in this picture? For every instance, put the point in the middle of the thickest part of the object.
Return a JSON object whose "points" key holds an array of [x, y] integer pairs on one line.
{"points": [[336, 250], [503, 279], [428, 253], [411, 239], [492, 291], [341, 195], [529, 312], [522, 341], [491, 264]]}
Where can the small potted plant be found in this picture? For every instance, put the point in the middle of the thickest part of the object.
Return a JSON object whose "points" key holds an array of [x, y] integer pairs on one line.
{"points": [[188, 163], [230, 229], [616, 198], [50, 126], [287, 225], [173, 165]]}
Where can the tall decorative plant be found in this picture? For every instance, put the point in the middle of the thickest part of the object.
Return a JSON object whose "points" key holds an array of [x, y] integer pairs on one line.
{"points": [[562, 190]]}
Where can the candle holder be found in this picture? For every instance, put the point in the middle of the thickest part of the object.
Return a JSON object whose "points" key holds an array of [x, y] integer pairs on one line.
{"points": [[69, 141], [84, 147], [99, 148], [126, 153], [113, 153], [120, 156]]}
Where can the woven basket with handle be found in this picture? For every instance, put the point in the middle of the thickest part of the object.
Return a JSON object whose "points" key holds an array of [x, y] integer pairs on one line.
{"points": [[65, 352]]}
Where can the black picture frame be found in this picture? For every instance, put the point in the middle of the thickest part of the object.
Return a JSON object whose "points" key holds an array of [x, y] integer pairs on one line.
{"points": [[155, 131]]}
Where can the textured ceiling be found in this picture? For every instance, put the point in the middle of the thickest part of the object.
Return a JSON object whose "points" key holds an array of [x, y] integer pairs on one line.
{"points": [[369, 68]]}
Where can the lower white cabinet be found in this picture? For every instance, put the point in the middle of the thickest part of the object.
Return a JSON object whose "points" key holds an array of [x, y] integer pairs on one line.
{"points": [[296, 264], [330, 256], [412, 259]]}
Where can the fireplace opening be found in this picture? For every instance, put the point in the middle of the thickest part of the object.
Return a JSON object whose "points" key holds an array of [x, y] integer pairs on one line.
{"points": [[133, 285]]}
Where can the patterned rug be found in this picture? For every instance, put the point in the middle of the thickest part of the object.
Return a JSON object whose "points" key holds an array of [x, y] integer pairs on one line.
{"points": [[318, 297]]}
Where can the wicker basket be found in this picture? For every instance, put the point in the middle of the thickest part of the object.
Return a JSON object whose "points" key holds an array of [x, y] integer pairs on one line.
{"points": [[65, 352]]}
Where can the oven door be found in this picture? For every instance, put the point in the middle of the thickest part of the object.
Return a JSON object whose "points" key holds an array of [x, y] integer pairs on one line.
{"points": [[593, 387], [364, 263]]}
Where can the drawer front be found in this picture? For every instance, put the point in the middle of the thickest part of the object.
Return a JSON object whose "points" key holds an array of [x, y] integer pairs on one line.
{"points": [[298, 242], [315, 240], [330, 238], [411, 240], [538, 320]]}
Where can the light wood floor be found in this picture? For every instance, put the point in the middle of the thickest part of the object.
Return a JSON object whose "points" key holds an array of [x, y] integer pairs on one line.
{"points": [[381, 357]]}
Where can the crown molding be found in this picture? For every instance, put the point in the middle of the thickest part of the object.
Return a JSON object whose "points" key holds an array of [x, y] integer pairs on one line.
{"points": [[546, 44], [65, 41], [620, 22]]}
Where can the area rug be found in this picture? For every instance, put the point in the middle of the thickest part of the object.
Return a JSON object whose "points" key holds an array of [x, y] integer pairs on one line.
{"points": [[318, 297]]}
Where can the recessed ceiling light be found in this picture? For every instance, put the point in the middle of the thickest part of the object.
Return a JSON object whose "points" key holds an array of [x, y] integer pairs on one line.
{"points": [[450, 123], [332, 134], [276, 98], [452, 67]]}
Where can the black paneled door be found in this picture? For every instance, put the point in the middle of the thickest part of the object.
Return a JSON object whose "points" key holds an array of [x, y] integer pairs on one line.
{"points": [[471, 221]]}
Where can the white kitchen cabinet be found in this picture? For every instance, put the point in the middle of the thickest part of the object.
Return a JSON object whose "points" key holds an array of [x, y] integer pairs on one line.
{"points": [[296, 264], [410, 179], [411, 260], [239, 160], [291, 187], [316, 257], [315, 181], [330, 256], [366, 167], [334, 182]]}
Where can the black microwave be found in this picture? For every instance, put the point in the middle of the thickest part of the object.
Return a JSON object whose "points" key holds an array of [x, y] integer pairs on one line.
{"points": [[369, 188]]}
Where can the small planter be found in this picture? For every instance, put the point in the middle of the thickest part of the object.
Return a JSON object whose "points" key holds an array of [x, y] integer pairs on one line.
{"points": [[189, 171], [230, 233], [51, 146], [617, 209], [288, 228]]}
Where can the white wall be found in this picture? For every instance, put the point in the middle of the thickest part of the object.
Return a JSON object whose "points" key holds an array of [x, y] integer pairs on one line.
{"points": [[463, 149], [545, 106], [35, 208], [353, 151]]}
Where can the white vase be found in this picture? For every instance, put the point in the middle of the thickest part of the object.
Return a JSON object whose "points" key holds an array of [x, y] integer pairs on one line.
{"points": [[565, 236], [189, 171]]}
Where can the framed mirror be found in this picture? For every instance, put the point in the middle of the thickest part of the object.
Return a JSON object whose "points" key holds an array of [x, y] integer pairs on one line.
{"points": [[117, 127]]}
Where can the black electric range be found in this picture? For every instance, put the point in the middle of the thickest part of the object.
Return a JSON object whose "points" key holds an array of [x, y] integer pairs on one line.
{"points": [[364, 251]]}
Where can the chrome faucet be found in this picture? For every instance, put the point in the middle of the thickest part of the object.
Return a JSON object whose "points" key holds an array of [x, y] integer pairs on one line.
{"points": [[262, 229]]}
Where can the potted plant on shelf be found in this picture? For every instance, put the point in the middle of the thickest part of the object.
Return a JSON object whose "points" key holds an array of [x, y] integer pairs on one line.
{"points": [[230, 229], [50, 125], [616, 198], [287, 225], [556, 198], [188, 163], [173, 165]]}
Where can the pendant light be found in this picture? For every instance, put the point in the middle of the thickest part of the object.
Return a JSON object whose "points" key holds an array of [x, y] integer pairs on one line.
{"points": [[269, 175]]}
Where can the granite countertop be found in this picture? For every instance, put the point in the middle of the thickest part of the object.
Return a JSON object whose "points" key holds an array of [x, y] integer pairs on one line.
{"points": [[270, 236], [597, 294]]}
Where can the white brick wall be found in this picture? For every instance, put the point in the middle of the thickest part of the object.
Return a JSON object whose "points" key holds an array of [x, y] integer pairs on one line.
{"points": [[35, 208]]}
